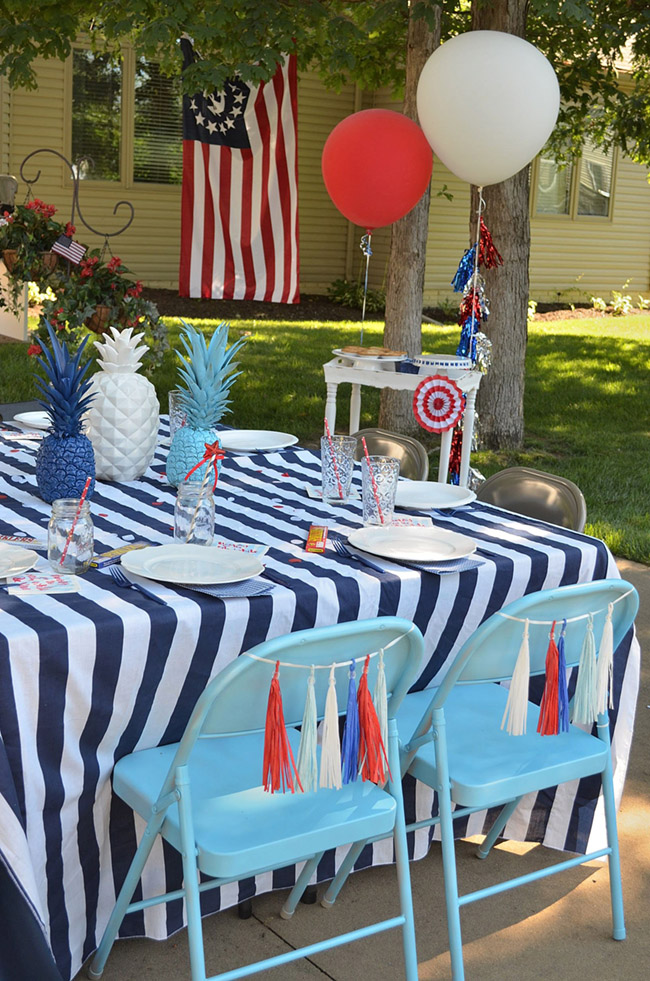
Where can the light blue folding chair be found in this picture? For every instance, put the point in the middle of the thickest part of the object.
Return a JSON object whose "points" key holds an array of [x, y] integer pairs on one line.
{"points": [[454, 742], [204, 795]]}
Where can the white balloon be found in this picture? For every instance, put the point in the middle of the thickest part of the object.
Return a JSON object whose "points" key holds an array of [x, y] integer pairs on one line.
{"points": [[487, 103]]}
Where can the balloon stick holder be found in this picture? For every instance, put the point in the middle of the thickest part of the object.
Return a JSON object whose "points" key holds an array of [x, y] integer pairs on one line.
{"points": [[367, 251]]}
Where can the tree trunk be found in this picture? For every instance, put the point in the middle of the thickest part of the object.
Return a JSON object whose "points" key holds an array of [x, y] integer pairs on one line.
{"points": [[405, 284], [501, 396]]}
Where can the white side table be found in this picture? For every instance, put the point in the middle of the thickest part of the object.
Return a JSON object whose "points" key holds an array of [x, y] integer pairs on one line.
{"points": [[340, 370]]}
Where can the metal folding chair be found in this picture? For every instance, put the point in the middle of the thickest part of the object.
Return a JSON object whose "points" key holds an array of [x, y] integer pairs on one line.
{"points": [[536, 494], [204, 795], [412, 456], [454, 742]]}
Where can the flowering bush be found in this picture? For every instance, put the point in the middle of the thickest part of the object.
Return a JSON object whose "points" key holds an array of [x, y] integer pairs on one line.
{"points": [[29, 231]]}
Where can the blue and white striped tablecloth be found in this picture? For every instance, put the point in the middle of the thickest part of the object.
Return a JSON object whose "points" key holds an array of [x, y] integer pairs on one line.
{"points": [[90, 676]]}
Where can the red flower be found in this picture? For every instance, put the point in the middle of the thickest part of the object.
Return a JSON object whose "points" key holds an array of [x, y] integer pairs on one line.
{"points": [[34, 349], [114, 264], [70, 229], [44, 210]]}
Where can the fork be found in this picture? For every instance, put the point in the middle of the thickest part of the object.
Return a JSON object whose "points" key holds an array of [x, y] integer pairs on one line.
{"points": [[121, 580], [343, 550]]}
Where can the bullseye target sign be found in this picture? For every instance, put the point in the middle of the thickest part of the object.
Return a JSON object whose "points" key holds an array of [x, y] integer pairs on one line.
{"points": [[438, 403]]}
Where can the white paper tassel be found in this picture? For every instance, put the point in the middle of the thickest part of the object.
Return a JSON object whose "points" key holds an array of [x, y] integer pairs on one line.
{"points": [[330, 759], [517, 705], [605, 665], [380, 700], [307, 757], [585, 707]]}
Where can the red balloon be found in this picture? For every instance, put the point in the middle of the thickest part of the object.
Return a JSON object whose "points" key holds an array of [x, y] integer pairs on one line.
{"points": [[376, 166]]}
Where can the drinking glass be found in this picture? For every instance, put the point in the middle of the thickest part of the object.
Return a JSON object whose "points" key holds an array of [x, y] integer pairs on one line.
{"points": [[337, 464], [194, 514], [177, 417], [378, 489], [70, 536]]}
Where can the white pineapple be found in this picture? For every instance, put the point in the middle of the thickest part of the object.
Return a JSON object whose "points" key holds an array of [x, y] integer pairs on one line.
{"points": [[123, 420]]}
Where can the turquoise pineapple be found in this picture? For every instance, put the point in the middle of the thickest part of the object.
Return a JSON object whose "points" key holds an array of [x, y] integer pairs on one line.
{"points": [[65, 457], [206, 378]]}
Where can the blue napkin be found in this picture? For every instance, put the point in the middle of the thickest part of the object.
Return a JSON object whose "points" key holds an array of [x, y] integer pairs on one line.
{"points": [[249, 587]]}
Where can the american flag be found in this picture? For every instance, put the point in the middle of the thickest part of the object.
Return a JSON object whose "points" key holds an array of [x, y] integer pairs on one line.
{"points": [[68, 249], [239, 216]]}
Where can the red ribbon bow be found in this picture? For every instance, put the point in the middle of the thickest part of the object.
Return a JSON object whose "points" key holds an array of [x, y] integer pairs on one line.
{"points": [[213, 453]]}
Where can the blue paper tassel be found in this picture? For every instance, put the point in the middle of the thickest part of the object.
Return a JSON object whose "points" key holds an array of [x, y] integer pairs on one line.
{"points": [[465, 270], [562, 693], [350, 744], [468, 330]]}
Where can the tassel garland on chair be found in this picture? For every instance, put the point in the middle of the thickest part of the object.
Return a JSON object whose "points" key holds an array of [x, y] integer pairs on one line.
{"points": [[373, 761], [517, 705], [585, 708], [350, 747], [330, 760], [307, 753], [279, 767], [562, 690], [547, 724], [605, 666]]}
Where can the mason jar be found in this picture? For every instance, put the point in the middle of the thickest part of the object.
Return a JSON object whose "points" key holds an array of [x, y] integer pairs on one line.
{"points": [[70, 536], [194, 514]]}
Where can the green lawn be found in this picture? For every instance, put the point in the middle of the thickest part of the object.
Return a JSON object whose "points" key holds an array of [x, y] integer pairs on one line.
{"points": [[587, 403]]}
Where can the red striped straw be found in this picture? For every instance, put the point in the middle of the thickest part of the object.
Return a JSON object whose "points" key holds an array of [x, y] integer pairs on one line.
{"points": [[372, 478], [75, 519], [336, 469]]}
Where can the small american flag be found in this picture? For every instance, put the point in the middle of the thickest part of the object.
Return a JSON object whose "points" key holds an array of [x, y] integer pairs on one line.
{"points": [[68, 249], [239, 215]]}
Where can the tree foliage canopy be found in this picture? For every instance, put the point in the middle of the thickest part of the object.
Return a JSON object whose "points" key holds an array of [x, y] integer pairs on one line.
{"points": [[361, 40]]}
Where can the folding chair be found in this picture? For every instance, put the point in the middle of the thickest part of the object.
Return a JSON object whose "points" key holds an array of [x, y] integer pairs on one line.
{"points": [[204, 795], [413, 457], [457, 741], [536, 494]]}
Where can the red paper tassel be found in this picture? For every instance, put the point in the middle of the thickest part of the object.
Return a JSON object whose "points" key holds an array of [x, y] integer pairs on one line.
{"points": [[547, 724], [455, 452], [487, 253], [470, 306], [279, 768], [373, 761]]}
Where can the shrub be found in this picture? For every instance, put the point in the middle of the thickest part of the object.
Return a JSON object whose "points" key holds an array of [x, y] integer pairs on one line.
{"points": [[598, 303], [350, 294]]}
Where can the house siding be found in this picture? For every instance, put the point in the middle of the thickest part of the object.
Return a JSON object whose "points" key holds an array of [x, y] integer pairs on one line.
{"points": [[570, 259]]}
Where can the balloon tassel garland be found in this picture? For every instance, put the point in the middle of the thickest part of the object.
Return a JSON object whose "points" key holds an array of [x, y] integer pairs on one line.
{"points": [[330, 758], [468, 281], [585, 708], [367, 251], [350, 747], [278, 756], [605, 665], [307, 753], [517, 705], [373, 761], [562, 691], [548, 709]]}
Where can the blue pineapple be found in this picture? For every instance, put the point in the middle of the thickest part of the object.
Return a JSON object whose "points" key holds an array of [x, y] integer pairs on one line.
{"points": [[206, 378], [65, 457]]}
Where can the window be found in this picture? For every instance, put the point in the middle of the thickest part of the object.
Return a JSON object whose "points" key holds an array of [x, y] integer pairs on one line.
{"points": [[97, 113], [578, 189], [127, 117]]}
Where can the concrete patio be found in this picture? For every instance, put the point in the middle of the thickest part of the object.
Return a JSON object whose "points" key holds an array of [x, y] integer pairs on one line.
{"points": [[559, 927]]}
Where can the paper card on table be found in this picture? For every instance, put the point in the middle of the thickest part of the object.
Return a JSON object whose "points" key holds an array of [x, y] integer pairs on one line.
{"points": [[248, 547], [317, 493], [37, 543], [40, 582], [412, 522], [10, 434]]}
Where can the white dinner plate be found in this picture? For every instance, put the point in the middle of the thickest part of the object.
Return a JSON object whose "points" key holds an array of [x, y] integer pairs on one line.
{"points": [[384, 358], [418, 544], [255, 440], [34, 420], [421, 495], [15, 559], [196, 565]]}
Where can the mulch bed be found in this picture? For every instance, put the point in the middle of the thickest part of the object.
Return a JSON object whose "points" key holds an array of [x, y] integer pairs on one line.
{"points": [[313, 307]]}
